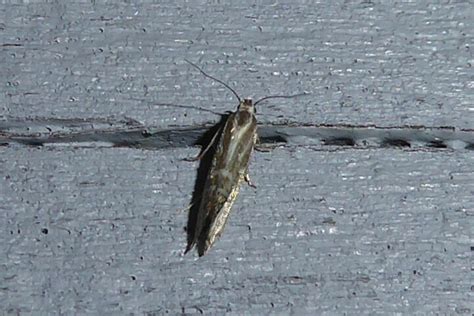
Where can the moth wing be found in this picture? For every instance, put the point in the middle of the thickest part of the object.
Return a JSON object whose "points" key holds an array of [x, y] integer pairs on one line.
{"points": [[229, 168]]}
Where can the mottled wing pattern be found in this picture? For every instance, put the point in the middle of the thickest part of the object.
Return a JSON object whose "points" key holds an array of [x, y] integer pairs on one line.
{"points": [[229, 167]]}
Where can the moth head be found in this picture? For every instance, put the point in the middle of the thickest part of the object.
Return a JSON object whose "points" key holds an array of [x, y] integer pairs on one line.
{"points": [[246, 105]]}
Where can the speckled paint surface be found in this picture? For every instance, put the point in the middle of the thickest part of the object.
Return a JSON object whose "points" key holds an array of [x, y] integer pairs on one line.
{"points": [[330, 230]]}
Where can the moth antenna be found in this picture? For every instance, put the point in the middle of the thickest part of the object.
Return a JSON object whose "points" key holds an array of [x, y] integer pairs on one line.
{"points": [[211, 77], [281, 97], [187, 107]]}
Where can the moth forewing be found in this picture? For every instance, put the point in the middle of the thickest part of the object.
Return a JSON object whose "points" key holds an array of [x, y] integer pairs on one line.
{"points": [[216, 224], [229, 167]]}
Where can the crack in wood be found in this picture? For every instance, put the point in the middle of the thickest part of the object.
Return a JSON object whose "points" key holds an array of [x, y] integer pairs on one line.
{"points": [[130, 133]]}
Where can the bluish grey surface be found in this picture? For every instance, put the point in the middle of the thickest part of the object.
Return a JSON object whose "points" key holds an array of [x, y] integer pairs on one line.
{"points": [[369, 62], [329, 230], [359, 230]]}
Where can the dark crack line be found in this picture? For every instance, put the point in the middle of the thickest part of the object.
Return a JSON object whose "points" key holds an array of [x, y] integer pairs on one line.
{"points": [[129, 133]]}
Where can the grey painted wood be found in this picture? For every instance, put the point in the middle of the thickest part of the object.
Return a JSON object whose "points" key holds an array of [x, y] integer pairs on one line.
{"points": [[89, 229]]}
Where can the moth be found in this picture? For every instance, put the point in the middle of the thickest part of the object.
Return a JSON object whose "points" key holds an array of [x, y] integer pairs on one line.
{"points": [[235, 142]]}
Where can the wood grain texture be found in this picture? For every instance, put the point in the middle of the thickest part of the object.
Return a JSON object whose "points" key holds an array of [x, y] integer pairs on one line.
{"points": [[346, 231]]}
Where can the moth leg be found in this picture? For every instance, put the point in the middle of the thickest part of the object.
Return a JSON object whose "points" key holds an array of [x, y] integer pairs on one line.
{"points": [[199, 157], [258, 145], [265, 148], [249, 182], [187, 208]]}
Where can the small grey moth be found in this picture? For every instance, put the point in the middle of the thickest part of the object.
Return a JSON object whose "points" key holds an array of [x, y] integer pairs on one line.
{"points": [[229, 167]]}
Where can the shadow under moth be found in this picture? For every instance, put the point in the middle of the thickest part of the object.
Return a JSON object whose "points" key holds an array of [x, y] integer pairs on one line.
{"points": [[229, 167]]}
